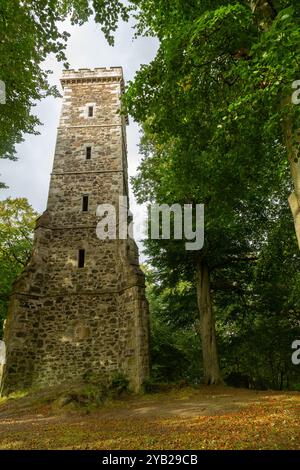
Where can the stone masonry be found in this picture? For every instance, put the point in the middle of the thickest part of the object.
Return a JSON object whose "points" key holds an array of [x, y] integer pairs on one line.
{"points": [[68, 322]]}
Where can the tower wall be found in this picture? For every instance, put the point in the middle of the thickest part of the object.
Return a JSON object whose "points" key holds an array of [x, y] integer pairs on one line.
{"points": [[67, 323]]}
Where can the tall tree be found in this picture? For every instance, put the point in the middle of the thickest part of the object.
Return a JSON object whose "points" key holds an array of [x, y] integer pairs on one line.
{"points": [[215, 125], [249, 48], [17, 221], [234, 226]]}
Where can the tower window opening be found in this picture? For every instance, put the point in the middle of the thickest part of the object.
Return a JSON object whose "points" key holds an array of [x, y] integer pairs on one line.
{"points": [[85, 203], [90, 111], [81, 258], [88, 153]]}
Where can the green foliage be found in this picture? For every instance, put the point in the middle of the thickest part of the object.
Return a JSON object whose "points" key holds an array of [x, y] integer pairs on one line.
{"points": [[119, 384], [258, 354], [30, 31], [175, 346], [17, 221], [88, 395], [93, 392], [212, 105], [259, 346]]}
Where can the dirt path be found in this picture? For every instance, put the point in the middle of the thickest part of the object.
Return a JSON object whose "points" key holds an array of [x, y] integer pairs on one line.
{"points": [[188, 419]]}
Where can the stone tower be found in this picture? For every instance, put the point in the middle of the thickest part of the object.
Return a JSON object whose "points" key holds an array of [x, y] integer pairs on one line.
{"points": [[79, 309]]}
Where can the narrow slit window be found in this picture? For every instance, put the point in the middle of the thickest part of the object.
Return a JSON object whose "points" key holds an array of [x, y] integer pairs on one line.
{"points": [[81, 258], [85, 203], [88, 153], [90, 111]]}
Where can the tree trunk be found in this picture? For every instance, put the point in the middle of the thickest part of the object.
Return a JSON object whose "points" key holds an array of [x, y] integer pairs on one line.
{"points": [[212, 374], [293, 156]]}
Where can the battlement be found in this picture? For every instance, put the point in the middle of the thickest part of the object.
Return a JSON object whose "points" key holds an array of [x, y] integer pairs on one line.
{"points": [[98, 74]]}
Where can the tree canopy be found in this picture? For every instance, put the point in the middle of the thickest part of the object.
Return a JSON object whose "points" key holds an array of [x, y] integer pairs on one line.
{"points": [[30, 31], [219, 128], [238, 61], [17, 221]]}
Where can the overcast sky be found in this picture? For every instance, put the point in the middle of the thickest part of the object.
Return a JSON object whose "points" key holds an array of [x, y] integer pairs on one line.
{"points": [[29, 176]]}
